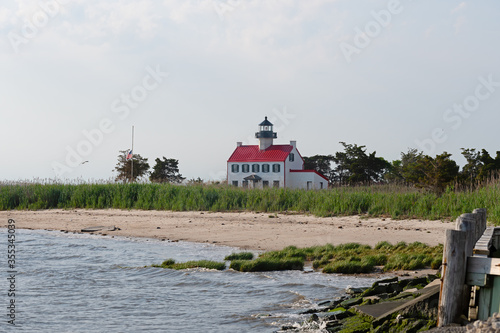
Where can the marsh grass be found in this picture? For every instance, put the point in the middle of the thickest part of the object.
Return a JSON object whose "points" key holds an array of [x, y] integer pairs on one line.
{"points": [[377, 200], [352, 258], [267, 264], [171, 264], [240, 256]]}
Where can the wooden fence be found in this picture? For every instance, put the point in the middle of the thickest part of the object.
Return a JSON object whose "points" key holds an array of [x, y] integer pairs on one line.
{"points": [[470, 276]]}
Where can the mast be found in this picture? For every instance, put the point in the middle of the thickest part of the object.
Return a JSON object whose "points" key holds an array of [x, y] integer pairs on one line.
{"points": [[132, 158]]}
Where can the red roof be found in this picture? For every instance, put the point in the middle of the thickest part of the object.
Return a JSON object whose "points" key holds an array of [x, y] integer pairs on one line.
{"points": [[314, 171], [274, 153]]}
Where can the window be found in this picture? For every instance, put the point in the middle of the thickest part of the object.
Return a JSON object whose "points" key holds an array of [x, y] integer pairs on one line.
{"points": [[291, 157], [309, 185], [235, 168], [235, 183], [265, 183], [245, 168], [321, 185], [255, 168], [265, 168], [245, 183], [276, 168], [276, 183]]}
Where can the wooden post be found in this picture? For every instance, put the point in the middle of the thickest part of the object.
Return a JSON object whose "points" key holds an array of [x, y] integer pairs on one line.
{"points": [[453, 278], [468, 223], [481, 220]]}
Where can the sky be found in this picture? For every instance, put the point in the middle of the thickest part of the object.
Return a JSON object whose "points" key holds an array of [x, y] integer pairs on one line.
{"points": [[195, 76]]}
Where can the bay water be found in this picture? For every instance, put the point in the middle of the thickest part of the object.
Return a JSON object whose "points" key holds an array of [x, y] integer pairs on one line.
{"points": [[68, 282]]}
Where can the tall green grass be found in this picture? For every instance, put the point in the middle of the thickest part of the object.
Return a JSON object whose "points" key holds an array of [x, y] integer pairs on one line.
{"points": [[392, 201]]}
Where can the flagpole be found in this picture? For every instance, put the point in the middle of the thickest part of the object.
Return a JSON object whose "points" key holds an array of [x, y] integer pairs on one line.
{"points": [[132, 158]]}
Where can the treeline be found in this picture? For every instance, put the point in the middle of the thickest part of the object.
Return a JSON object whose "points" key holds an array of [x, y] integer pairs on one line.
{"points": [[388, 200], [354, 166]]}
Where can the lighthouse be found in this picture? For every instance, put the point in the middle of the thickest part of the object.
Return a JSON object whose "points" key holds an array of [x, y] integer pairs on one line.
{"points": [[269, 164], [265, 134]]}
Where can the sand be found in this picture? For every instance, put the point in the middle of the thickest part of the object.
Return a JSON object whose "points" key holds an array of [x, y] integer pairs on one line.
{"points": [[255, 231]]}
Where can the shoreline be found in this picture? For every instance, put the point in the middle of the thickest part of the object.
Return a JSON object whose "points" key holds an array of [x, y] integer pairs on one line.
{"points": [[245, 230]]}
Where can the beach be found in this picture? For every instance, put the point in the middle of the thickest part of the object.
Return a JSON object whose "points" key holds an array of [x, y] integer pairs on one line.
{"points": [[246, 230]]}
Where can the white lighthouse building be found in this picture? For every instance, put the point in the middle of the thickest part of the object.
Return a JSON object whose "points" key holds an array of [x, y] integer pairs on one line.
{"points": [[268, 164]]}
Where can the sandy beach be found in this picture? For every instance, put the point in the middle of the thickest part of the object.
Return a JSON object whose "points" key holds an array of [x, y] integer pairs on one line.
{"points": [[257, 231]]}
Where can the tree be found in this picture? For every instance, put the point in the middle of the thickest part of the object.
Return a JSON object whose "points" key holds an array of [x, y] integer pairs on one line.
{"points": [[166, 171], [354, 166], [470, 171], [123, 167], [489, 165], [424, 171], [321, 164], [395, 173], [412, 166]]}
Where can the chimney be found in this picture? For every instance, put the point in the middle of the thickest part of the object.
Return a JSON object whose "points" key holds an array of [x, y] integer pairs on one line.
{"points": [[293, 143], [239, 144]]}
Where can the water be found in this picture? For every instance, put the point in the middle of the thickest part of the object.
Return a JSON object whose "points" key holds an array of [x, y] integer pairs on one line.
{"points": [[86, 283]]}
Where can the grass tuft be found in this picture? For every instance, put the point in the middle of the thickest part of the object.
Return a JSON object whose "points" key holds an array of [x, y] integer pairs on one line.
{"points": [[267, 264], [171, 264], [240, 256]]}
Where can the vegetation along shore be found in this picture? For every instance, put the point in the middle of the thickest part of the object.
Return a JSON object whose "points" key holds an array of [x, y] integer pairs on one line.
{"points": [[377, 200]]}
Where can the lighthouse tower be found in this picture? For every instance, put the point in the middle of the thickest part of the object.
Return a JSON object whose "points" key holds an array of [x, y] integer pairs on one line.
{"points": [[265, 134]]}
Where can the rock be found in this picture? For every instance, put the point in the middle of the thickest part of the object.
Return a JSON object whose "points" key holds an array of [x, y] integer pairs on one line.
{"points": [[373, 299], [332, 324], [352, 291], [314, 318], [386, 281], [375, 290], [351, 302], [420, 281], [287, 327], [100, 228], [411, 290]]}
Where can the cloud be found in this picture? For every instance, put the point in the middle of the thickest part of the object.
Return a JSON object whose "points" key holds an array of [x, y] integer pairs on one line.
{"points": [[460, 7]]}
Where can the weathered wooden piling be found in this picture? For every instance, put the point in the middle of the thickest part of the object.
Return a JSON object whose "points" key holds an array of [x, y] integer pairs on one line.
{"points": [[459, 246], [468, 223], [481, 221], [453, 277]]}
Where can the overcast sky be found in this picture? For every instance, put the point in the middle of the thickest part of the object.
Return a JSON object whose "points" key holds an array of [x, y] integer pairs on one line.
{"points": [[196, 76]]}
